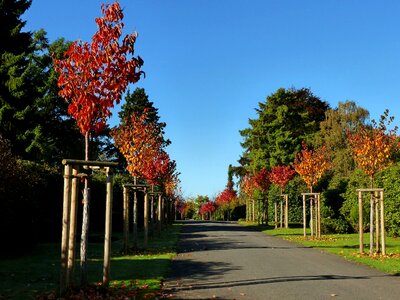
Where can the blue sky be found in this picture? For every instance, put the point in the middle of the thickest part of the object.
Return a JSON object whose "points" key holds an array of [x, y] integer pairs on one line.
{"points": [[209, 62]]}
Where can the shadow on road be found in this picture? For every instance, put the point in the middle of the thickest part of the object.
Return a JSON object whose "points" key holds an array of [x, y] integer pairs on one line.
{"points": [[272, 280], [207, 236]]}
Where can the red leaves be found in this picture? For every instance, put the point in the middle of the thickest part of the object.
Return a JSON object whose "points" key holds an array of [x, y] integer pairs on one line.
{"points": [[261, 180], [141, 144], [94, 75], [311, 164], [206, 208], [225, 197], [281, 175]]}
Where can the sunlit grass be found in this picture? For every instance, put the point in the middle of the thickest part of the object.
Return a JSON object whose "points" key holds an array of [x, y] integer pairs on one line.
{"points": [[25, 277], [345, 245]]}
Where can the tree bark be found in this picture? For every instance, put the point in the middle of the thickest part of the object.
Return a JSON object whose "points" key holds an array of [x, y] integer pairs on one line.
{"points": [[85, 219]]}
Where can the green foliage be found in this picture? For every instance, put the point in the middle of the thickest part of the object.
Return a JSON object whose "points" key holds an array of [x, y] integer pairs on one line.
{"points": [[285, 119], [389, 180], [30, 198], [294, 189], [349, 209]]}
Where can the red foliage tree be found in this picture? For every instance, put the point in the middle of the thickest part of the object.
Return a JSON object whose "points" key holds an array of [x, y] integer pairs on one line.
{"points": [[225, 197], [281, 175], [93, 76], [261, 180], [207, 208]]}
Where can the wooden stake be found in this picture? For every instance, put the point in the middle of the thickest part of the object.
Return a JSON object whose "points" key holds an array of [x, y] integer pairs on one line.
{"points": [[360, 223], [108, 228], [72, 227], [371, 225], [383, 241], [304, 215], [286, 211], [146, 218], [126, 218], [65, 229]]}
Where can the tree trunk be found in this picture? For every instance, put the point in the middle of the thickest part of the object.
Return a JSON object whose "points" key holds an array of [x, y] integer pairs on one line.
{"points": [[135, 222], [85, 219]]}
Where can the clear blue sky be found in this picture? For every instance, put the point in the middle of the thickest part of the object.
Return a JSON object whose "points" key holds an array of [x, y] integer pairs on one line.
{"points": [[209, 62]]}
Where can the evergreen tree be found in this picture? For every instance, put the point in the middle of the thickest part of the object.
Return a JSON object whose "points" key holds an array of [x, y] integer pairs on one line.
{"points": [[14, 48], [137, 103], [285, 119]]}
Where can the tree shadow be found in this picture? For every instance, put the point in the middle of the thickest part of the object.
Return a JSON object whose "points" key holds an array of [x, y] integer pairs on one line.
{"points": [[262, 281]]}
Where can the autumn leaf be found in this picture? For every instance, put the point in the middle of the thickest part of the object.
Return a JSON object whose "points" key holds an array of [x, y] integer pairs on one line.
{"points": [[311, 164]]}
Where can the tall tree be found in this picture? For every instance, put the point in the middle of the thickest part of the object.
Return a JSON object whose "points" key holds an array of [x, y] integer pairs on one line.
{"points": [[15, 47], [286, 118], [347, 117], [93, 77], [137, 103]]}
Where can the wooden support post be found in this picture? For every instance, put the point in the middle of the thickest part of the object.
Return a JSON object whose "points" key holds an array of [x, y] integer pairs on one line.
{"points": [[276, 213], [304, 215], [135, 219], [371, 224], [65, 229], [72, 224], [312, 217], [159, 214], [377, 222], [108, 228], [281, 214], [383, 241], [126, 219], [286, 197], [146, 219], [318, 215], [360, 222]]}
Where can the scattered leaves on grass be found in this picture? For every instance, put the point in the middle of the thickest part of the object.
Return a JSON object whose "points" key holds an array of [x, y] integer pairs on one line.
{"points": [[97, 291]]}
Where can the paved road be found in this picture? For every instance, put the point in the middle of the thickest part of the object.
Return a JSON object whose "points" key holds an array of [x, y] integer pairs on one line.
{"points": [[219, 260]]}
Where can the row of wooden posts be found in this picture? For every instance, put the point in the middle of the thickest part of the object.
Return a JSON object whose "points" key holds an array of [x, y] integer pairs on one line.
{"points": [[377, 242], [72, 174]]}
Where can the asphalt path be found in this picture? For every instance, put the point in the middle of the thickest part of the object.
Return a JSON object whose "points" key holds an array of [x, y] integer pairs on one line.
{"points": [[222, 260]]}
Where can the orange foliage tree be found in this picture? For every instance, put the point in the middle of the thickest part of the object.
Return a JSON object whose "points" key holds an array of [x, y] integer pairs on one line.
{"points": [[139, 143], [311, 164], [373, 146]]}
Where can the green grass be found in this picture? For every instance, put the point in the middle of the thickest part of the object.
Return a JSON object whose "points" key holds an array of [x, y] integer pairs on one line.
{"points": [[26, 276], [345, 245]]}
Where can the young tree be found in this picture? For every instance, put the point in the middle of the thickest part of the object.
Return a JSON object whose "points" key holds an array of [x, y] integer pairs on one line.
{"points": [[93, 76], [281, 175], [225, 198], [373, 146], [311, 164]]}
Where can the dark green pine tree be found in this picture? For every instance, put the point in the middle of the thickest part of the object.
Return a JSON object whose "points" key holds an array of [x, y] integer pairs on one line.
{"points": [[285, 119], [137, 102], [32, 115], [15, 46]]}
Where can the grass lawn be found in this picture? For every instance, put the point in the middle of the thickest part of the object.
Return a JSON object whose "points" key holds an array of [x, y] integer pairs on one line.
{"points": [[25, 277], [345, 245]]}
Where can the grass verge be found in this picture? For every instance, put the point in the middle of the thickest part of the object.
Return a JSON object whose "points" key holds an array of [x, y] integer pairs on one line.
{"points": [[345, 245], [138, 274]]}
